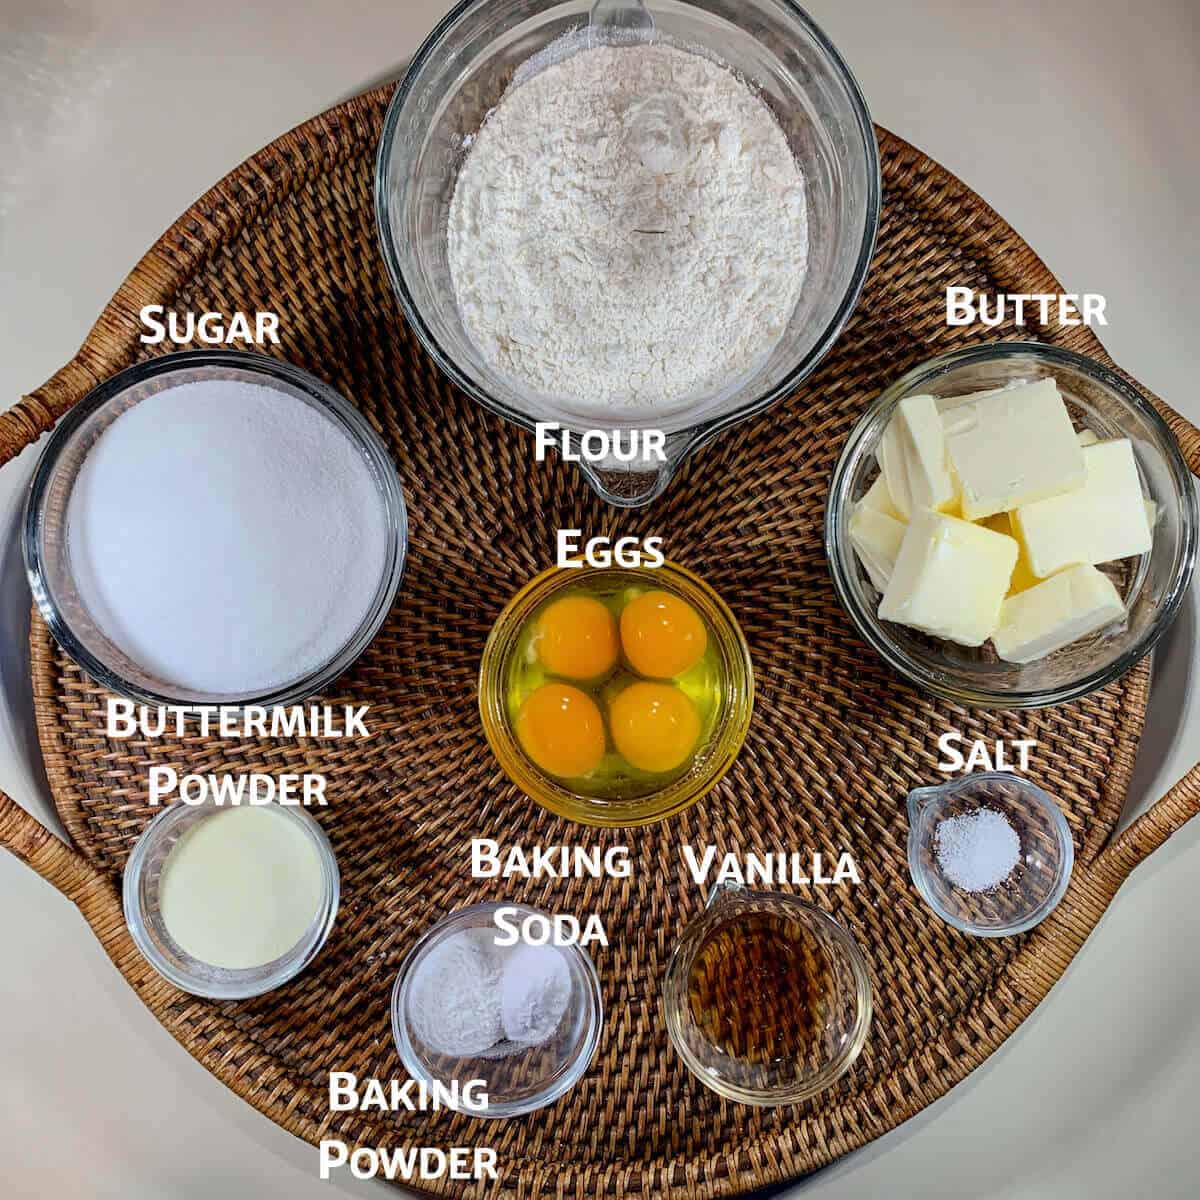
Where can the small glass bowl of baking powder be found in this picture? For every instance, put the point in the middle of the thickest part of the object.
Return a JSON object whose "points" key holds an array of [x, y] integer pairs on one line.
{"points": [[497, 1020], [990, 853]]}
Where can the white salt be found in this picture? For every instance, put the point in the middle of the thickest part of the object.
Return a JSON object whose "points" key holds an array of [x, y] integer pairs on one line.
{"points": [[978, 850], [227, 537]]}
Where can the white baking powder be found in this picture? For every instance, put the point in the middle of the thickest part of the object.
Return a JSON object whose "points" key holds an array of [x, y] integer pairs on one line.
{"points": [[454, 1001], [227, 537], [472, 998], [629, 230]]}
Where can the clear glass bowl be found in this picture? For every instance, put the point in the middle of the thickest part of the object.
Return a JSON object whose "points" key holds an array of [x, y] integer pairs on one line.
{"points": [[46, 546], [461, 72], [695, 1006], [1153, 587], [712, 758], [528, 1078], [143, 873], [1043, 869]]}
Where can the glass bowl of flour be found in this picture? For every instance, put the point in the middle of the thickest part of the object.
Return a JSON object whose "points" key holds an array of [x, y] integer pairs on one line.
{"points": [[214, 527], [620, 231]]}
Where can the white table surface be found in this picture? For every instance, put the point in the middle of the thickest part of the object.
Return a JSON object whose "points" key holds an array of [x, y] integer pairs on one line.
{"points": [[1075, 120]]}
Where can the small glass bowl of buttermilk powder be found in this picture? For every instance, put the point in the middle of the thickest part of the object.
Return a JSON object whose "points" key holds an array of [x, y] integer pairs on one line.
{"points": [[214, 528], [231, 902]]}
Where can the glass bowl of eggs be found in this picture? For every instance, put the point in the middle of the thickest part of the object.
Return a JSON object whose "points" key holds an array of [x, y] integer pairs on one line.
{"points": [[616, 696]]}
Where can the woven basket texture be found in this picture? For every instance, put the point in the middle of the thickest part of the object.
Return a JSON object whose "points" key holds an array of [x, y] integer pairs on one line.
{"points": [[836, 741]]}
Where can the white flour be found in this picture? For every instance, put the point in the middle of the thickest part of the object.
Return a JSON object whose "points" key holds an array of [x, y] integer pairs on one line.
{"points": [[629, 230]]}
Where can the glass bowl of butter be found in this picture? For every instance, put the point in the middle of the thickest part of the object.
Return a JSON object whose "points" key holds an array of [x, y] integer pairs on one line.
{"points": [[1011, 526]]}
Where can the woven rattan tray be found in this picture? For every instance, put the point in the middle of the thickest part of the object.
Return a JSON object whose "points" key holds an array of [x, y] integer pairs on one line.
{"points": [[836, 741]]}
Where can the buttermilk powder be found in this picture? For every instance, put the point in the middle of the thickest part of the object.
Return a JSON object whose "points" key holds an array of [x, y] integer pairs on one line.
{"points": [[628, 230]]}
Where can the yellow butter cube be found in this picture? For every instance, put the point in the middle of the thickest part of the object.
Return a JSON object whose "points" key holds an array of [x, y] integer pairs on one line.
{"points": [[1058, 611], [878, 498], [876, 538], [931, 481], [1013, 448], [1101, 522], [950, 579]]}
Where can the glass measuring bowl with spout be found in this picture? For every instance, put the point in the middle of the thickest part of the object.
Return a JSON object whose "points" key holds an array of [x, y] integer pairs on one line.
{"points": [[460, 74], [767, 998]]}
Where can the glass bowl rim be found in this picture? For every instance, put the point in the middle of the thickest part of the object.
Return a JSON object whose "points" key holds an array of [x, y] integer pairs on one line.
{"points": [[327, 400], [729, 894], [674, 797], [465, 918], [917, 804], [240, 983], [840, 556], [703, 430]]}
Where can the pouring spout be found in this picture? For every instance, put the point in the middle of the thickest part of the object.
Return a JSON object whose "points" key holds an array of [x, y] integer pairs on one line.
{"points": [[636, 484], [628, 17]]}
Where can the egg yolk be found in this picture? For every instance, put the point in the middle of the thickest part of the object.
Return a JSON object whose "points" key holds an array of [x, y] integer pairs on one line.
{"points": [[655, 726], [577, 637], [561, 729], [663, 635]]}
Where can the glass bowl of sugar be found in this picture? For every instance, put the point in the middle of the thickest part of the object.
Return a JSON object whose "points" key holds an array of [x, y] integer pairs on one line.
{"points": [[990, 852], [496, 1013], [665, 229], [214, 528]]}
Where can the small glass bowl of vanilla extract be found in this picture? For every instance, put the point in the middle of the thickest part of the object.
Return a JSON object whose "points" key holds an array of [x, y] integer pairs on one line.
{"points": [[616, 696], [767, 998]]}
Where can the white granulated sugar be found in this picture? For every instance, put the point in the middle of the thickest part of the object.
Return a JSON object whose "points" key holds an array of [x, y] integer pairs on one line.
{"points": [[628, 231], [977, 850], [228, 537], [535, 990]]}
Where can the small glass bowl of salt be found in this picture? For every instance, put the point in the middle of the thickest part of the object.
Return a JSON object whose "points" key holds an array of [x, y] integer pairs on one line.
{"points": [[496, 1018], [991, 853]]}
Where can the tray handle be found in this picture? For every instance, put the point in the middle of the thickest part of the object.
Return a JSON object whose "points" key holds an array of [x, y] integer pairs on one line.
{"points": [[63, 868], [1145, 835], [1182, 802], [35, 414], [1186, 434], [69, 872]]}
